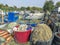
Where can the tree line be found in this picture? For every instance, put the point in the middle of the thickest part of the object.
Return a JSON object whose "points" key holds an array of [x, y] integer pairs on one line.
{"points": [[14, 8], [48, 6]]}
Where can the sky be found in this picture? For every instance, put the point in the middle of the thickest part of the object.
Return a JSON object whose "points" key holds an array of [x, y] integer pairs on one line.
{"points": [[25, 3]]}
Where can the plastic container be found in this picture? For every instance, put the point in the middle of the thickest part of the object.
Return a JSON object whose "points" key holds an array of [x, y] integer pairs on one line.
{"points": [[49, 42], [34, 25], [44, 43], [22, 37], [57, 38], [29, 27]]}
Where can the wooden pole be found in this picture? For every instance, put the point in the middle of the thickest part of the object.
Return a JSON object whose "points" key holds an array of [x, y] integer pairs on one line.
{"points": [[2, 17]]}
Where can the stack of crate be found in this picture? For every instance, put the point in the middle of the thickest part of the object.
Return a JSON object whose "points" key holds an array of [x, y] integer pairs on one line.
{"points": [[6, 36]]}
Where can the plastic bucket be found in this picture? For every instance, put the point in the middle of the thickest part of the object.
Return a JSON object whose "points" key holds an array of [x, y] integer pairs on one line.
{"points": [[22, 37]]}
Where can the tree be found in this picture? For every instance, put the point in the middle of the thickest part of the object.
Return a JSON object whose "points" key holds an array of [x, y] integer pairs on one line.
{"points": [[11, 8], [1, 6], [49, 5], [22, 8], [15, 8], [34, 8], [58, 4], [28, 8], [6, 7]]}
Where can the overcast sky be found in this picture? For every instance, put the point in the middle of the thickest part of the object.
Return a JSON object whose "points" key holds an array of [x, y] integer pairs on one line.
{"points": [[19, 3]]}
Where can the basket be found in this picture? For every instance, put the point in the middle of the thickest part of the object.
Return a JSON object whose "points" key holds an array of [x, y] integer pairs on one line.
{"points": [[22, 37], [49, 42]]}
